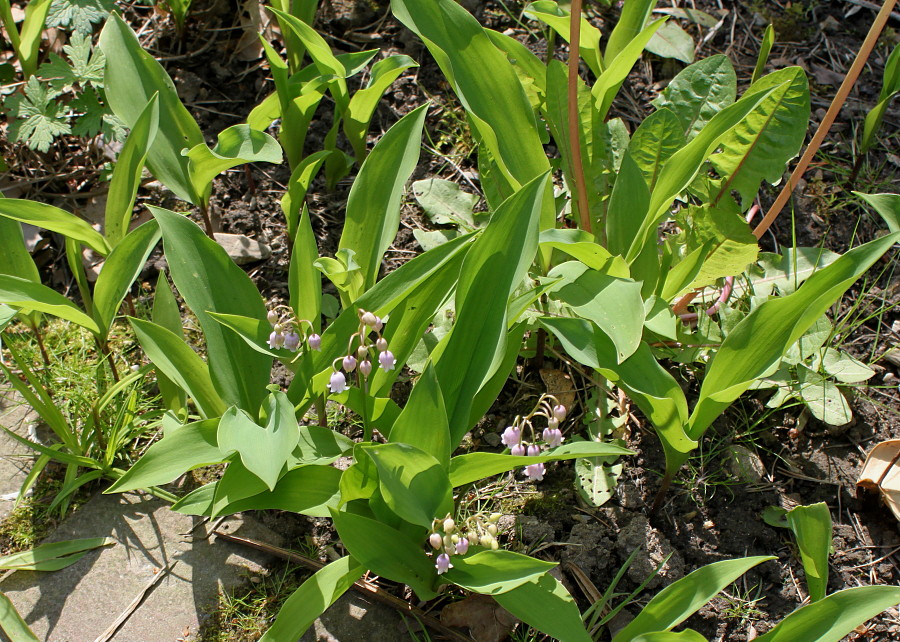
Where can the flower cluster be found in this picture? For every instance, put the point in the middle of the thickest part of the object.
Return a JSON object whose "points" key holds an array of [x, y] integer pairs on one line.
{"points": [[358, 358], [448, 539], [287, 331], [514, 436]]}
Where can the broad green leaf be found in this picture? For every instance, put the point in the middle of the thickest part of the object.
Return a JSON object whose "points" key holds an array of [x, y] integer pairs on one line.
{"points": [[423, 422], [209, 281], [413, 483], [688, 635], [166, 314], [304, 280], [845, 368], [559, 19], [264, 450], [699, 92], [491, 271], [10, 621], [312, 599], [15, 259], [373, 206], [619, 64], [307, 490], [684, 165], [681, 599], [580, 245], [658, 137], [126, 176], [890, 87], [175, 359], [614, 305], [628, 203], [785, 273], [635, 14], [811, 526], [387, 551], [189, 447], [122, 268], [887, 206], [496, 102], [304, 10], [671, 41], [495, 572], [596, 477], [132, 77], [823, 398], [27, 295], [835, 616], [53, 556], [55, 220], [760, 145], [647, 383], [468, 468], [757, 343], [445, 203], [362, 104], [28, 40], [732, 246], [236, 145], [319, 445], [546, 605]]}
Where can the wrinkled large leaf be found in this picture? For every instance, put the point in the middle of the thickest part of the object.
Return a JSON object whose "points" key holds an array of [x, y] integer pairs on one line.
{"points": [[658, 137], [699, 92]]}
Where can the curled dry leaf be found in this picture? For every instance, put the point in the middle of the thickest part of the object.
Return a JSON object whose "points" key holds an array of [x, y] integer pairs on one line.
{"points": [[560, 385], [881, 474], [486, 620]]}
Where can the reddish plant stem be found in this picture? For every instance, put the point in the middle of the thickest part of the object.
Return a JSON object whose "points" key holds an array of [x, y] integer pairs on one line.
{"points": [[581, 206], [40, 342], [824, 127]]}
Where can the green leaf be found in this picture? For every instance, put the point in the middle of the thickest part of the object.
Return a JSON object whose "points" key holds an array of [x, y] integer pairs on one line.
{"points": [[264, 450], [190, 446], [209, 281], [785, 273], [13, 624], [671, 41], [423, 422], [468, 468], [630, 23], [293, 201], [765, 48], [628, 203], [319, 445], [174, 358], [312, 599], [445, 203], [28, 41], [559, 20], [165, 313], [38, 117], [15, 259], [824, 400], [647, 383], [413, 483], [122, 268], [547, 606], [653, 143], [78, 15], [596, 477], [373, 206], [887, 206], [55, 220], [126, 176], [307, 490], [699, 92], [492, 270], [833, 617], [681, 599], [387, 551], [304, 280], [28, 295], [500, 111], [614, 305], [82, 68], [580, 245], [760, 145], [811, 526], [54, 556], [362, 104], [758, 342], [688, 635], [619, 64], [495, 572], [133, 76], [236, 145]]}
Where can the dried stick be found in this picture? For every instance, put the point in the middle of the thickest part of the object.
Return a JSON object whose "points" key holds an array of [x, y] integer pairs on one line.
{"points": [[581, 202]]}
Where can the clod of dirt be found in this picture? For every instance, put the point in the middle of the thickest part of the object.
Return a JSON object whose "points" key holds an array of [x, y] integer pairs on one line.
{"points": [[486, 620], [588, 547], [533, 530], [745, 465], [639, 533]]}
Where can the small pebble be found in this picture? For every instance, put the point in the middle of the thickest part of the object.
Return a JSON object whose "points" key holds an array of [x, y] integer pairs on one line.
{"points": [[709, 524]]}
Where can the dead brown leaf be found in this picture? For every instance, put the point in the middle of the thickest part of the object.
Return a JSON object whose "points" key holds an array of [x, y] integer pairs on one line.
{"points": [[560, 385], [486, 620], [881, 474]]}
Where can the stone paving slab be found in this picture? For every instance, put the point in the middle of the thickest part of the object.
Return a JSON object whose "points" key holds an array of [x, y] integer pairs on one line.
{"points": [[15, 458], [354, 617], [79, 603]]}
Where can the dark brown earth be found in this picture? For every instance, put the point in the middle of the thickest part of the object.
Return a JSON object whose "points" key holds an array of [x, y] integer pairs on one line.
{"points": [[710, 514]]}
